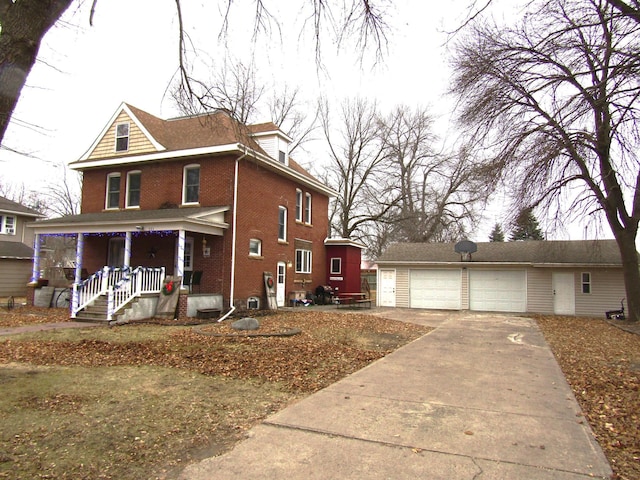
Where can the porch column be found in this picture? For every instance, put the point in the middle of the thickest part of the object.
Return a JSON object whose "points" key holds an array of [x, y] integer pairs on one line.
{"points": [[180, 260], [35, 268], [75, 300], [127, 249]]}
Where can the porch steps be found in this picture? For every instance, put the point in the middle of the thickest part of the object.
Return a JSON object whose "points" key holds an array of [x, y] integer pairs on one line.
{"points": [[97, 311]]}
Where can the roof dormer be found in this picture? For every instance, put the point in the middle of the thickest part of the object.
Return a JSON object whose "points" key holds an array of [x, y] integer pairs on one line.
{"points": [[273, 141]]}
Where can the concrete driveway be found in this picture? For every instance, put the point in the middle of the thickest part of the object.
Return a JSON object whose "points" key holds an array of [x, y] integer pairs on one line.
{"points": [[480, 397]]}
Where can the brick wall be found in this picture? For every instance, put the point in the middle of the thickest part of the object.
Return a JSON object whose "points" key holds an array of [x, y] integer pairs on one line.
{"points": [[261, 192]]}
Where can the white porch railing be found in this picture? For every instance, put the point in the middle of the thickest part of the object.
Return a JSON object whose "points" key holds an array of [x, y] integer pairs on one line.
{"points": [[121, 285]]}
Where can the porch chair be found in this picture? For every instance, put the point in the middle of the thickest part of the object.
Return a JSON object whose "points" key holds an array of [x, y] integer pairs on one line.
{"points": [[196, 278]]}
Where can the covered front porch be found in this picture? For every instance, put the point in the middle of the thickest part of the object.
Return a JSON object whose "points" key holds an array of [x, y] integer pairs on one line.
{"points": [[130, 255]]}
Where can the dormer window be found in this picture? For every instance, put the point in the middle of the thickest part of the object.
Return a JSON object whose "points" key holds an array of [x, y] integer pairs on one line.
{"points": [[122, 137], [281, 157], [8, 224]]}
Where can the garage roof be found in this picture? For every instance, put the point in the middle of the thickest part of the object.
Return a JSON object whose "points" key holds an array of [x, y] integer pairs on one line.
{"points": [[580, 252]]}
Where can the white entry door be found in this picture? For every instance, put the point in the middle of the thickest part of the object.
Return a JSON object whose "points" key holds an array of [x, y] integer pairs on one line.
{"points": [[280, 283], [564, 294], [387, 288]]}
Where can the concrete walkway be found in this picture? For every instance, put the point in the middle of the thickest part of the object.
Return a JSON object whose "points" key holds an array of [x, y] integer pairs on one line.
{"points": [[480, 397]]}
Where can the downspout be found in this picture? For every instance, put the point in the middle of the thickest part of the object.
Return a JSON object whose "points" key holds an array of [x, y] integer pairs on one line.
{"points": [[233, 238]]}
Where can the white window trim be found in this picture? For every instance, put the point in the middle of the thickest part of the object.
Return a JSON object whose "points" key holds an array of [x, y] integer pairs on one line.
{"points": [[282, 208], [307, 208], [129, 184], [339, 271], [299, 205], [306, 260], [259, 243], [583, 283], [106, 200], [184, 183], [5, 229], [127, 136]]}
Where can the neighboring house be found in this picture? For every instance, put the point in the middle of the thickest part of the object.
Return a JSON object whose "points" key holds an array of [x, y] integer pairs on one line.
{"points": [[561, 277], [204, 198], [16, 253]]}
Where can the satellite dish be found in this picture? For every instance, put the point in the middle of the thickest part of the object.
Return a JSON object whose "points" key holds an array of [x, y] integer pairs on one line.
{"points": [[466, 246]]}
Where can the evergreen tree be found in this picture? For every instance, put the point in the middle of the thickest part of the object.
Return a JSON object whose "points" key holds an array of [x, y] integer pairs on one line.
{"points": [[526, 227], [496, 235]]}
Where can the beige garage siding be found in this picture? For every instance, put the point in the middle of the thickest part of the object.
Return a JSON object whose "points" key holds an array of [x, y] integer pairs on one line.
{"points": [[607, 289], [539, 290], [15, 276], [402, 287]]}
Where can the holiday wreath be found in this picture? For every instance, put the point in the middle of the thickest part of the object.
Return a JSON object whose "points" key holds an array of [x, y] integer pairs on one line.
{"points": [[167, 289]]}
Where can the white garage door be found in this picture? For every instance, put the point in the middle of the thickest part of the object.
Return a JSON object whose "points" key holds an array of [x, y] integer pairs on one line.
{"points": [[435, 289], [498, 290]]}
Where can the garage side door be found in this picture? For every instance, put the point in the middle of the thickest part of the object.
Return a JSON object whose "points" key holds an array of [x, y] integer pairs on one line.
{"points": [[438, 289], [498, 290]]}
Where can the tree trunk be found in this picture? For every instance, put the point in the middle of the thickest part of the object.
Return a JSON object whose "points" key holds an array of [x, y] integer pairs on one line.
{"points": [[24, 24], [629, 255]]}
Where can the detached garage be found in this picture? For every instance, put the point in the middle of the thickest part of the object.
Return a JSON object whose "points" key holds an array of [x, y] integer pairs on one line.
{"points": [[562, 277]]}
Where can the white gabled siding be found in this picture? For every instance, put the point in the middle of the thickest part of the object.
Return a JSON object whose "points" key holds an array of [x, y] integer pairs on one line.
{"points": [[273, 145]]}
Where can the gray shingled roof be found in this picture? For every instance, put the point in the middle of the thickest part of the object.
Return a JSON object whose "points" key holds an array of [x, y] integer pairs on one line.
{"points": [[10, 206], [600, 252], [15, 250]]}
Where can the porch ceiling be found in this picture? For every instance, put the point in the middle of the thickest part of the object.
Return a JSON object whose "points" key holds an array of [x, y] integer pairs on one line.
{"points": [[208, 220]]}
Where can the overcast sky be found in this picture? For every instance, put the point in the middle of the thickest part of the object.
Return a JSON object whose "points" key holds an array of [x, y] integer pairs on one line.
{"points": [[130, 54]]}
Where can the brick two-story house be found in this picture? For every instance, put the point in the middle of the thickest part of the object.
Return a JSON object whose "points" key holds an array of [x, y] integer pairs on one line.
{"points": [[15, 247], [198, 194]]}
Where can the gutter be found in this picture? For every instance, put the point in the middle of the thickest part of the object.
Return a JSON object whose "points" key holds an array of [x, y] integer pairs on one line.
{"points": [[233, 238]]}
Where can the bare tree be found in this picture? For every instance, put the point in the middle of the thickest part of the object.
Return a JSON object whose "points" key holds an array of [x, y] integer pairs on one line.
{"points": [[23, 24], [64, 198], [437, 194], [356, 154], [556, 99], [233, 88], [297, 120]]}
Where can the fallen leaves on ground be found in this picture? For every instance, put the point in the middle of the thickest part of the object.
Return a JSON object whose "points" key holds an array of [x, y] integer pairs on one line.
{"points": [[21, 315], [329, 347], [602, 364]]}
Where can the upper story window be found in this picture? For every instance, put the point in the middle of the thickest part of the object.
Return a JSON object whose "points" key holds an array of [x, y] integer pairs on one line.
{"points": [[122, 137], [307, 209], [8, 224], [255, 247], [191, 184], [586, 282], [113, 190], [282, 223], [133, 188], [282, 157], [298, 205]]}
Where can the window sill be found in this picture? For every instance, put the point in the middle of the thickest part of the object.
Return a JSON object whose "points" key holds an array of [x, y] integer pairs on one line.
{"points": [[136, 207], [256, 257], [196, 204], [283, 242]]}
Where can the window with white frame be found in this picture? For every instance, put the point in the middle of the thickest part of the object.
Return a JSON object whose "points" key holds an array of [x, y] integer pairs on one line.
{"points": [[298, 205], [282, 223], [586, 282], [133, 188], [336, 265], [113, 190], [307, 209], [282, 157], [255, 247], [7, 224], [122, 137], [191, 184], [303, 261]]}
